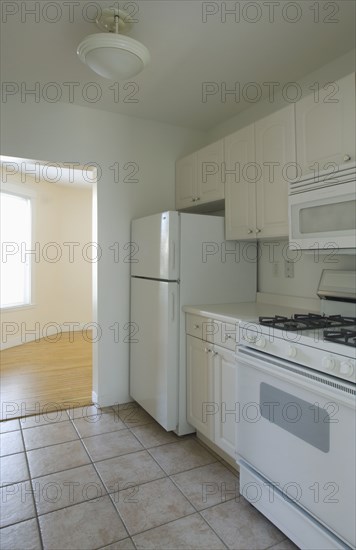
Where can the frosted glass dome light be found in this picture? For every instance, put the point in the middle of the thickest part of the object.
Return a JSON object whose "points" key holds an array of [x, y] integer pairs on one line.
{"points": [[110, 54]]}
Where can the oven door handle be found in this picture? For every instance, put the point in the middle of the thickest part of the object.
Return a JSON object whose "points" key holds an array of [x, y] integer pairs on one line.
{"points": [[326, 386]]}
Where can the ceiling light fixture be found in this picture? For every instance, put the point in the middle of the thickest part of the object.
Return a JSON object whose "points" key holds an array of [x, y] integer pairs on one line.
{"points": [[113, 55]]}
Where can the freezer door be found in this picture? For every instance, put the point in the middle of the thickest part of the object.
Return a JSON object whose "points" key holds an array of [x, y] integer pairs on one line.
{"points": [[154, 353], [156, 239]]}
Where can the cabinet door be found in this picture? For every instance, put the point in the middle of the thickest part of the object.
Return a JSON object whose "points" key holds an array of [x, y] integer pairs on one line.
{"points": [[240, 187], [225, 400], [275, 148], [325, 125], [200, 406], [209, 164], [186, 180]]}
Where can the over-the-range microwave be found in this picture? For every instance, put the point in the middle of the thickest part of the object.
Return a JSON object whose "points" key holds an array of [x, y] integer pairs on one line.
{"points": [[322, 210]]}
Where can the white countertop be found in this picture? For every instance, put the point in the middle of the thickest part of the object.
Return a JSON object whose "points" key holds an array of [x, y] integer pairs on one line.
{"points": [[246, 311]]}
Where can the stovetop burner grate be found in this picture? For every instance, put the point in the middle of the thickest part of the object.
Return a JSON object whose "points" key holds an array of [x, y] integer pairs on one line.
{"points": [[342, 336], [307, 321]]}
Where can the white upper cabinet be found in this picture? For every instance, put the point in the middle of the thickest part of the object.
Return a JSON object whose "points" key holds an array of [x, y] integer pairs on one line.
{"points": [[210, 160], [275, 163], [252, 168], [240, 190], [186, 181], [198, 177], [256, 203], [325, 126]]}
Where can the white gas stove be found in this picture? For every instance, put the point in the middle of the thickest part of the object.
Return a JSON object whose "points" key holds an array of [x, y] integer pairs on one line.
{"points": [[324, 342], [296, 439]]}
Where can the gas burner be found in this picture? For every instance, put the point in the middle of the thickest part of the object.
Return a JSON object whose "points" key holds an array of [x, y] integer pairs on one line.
{"points": [[342, 336], [306, 321], [285, 323], [315, 320]]}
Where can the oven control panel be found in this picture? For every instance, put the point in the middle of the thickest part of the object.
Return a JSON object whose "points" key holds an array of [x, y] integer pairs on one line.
{"points": [[320, 360]]}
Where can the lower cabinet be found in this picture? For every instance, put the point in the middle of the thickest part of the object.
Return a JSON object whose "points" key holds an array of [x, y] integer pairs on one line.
{"points": [[200, 385], [224, 388], [211, 392]]}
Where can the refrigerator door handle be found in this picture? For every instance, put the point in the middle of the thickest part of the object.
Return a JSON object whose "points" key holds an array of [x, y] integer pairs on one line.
{"points": [[173, 252], [173, 307]]}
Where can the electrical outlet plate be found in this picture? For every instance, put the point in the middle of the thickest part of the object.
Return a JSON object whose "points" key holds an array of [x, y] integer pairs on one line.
{"points": [[288, 269]]}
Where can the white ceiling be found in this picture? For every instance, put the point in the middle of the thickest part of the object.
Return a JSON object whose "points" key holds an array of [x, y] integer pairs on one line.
{"points": [[186, 52]]}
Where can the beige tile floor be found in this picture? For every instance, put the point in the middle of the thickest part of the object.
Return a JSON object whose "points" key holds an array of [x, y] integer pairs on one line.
{"points": [[114, 479]]}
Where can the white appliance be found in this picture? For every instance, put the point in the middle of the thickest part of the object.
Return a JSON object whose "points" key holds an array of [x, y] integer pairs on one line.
{"points": [[296, 439], [322, 209], [182, 259]]}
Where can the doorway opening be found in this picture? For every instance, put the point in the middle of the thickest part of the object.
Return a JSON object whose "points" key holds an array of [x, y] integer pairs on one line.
{"points": [[48, 269]]}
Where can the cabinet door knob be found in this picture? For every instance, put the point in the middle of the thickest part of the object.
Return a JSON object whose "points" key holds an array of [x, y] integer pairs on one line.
{"points": [[197, 198], [347, 158], [249, 231], [258, 230], [196, 326], [193, 200]]}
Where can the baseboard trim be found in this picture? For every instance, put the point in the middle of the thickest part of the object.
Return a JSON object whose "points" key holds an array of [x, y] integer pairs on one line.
{"points": [[27, 338], [94, 397], [222, 454]]}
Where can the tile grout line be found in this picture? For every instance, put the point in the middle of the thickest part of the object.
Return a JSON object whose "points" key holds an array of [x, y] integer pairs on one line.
{"points": [[179, 472], [30, 482], [212, 528], [230, 468], [166, 476], [116, 508], [163, 524], [106, 493], [102, 481], [196, 511], [91, 462], [61, 471]]}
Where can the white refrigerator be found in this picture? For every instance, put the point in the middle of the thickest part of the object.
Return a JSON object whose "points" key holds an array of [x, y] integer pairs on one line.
{"points": [[181, 259]]}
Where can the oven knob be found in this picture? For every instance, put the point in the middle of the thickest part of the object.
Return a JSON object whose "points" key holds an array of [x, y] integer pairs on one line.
{"points": [[261, 342], [292, 351], [251, 339], [328, 363], [346, 368]]}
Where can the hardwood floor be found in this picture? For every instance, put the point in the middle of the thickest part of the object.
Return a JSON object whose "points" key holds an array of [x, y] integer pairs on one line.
{"points": [[44, 376]]}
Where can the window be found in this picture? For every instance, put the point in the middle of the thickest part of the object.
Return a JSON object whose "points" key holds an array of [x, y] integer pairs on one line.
{"points": [[15, 259]]}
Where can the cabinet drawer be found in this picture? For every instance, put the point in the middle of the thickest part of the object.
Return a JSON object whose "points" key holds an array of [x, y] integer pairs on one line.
{"points": [[225, 335], [196, 325], [209, 330]]}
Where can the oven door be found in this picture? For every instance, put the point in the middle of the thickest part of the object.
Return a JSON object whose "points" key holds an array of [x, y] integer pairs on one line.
{"points": [[297, 429], [323, 217]]}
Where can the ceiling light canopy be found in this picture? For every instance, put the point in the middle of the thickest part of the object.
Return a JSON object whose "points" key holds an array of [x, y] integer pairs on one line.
{"points": [[113, 56]]}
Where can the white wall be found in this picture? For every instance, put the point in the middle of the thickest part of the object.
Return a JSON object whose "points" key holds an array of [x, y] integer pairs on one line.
{"points": [[307, 269], [61, 132], [328, 73], [75, 273]]}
